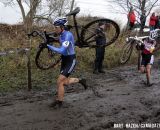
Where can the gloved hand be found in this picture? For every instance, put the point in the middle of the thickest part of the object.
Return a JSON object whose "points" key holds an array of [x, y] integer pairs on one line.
{"points": [[43, 45], [142, 46]]}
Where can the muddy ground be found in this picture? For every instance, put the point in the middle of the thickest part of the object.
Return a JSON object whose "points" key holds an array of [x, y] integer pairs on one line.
{"points": [[119, 96]]}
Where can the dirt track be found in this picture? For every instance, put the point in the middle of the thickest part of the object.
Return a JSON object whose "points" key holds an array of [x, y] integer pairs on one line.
{"points": [[119, 96]]}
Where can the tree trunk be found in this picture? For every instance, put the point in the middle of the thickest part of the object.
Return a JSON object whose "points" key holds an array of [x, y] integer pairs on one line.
{"points": [[61, 8], [142, 20], [29, 18], [22, 9]]}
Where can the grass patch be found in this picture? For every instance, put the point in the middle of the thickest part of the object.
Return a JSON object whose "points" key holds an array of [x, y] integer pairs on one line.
{"points": [[13, 67]]}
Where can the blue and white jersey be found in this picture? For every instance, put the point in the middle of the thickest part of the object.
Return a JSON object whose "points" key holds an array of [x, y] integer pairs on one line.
{"points": [[67, 44]]}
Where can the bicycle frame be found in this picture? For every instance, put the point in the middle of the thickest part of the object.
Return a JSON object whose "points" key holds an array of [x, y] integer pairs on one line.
{"points": [[74, 13], [76, 28], [83, 41]]}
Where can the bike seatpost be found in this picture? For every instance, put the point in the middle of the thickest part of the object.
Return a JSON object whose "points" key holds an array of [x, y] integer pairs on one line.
{"points": [[76, 27]]}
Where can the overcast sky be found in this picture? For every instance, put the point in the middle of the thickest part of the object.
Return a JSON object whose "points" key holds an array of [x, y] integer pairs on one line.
{"points": [[12, 15]]}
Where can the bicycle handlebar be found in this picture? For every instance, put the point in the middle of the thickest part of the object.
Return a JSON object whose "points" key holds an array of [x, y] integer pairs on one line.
{"points": [[44, 35], [157, 30], [138, 39], [37, 33]]}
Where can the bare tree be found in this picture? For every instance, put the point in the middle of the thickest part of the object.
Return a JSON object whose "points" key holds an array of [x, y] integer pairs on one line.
{"points": [[60, 7], [27, 15], [32, 10], [40, 9], [140, 6]]}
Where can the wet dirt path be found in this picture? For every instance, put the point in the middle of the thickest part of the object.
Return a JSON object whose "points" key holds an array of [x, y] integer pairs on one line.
{"points": [[119, 96]]}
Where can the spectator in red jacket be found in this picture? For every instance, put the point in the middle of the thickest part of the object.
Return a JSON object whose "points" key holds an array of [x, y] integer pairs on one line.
{"points": [[152, 22], [131, 18]]}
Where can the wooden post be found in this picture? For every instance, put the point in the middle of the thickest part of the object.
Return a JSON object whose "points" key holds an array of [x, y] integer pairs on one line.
{"points": [[29, 67], [29, 72]]}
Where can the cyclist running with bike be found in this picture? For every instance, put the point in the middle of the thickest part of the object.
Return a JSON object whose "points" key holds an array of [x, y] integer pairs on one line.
{"points": [[67, 51], [147, 57]]}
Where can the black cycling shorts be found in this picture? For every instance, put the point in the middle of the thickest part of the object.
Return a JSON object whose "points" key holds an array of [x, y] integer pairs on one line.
{"points": [[67, 65], [131, 25], [147, 59]]}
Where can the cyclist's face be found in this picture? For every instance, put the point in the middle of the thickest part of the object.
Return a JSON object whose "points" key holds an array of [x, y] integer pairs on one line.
{"points": [[58, 29]]}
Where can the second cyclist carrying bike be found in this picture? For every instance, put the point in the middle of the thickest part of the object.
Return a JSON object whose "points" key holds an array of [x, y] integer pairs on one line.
{"points": [[147, 57]]}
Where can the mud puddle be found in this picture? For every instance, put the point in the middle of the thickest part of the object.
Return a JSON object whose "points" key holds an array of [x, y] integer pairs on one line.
{"points": [[119, 96]]}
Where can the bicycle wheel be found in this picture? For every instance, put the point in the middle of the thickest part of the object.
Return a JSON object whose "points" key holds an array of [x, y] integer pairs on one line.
{"points": [[46, 59], [126, 52], [88, 34]]}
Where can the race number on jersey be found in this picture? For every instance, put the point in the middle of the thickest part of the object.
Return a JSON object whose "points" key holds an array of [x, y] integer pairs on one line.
{"points": [[65, 43]]}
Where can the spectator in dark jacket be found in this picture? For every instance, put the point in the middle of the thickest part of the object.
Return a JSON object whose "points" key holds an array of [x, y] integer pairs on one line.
{"points": [[100, 50], [143, 20], [157, 26]]}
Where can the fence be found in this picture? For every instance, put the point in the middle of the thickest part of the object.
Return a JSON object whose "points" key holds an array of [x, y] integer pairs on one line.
{"points": [[17, 64]]}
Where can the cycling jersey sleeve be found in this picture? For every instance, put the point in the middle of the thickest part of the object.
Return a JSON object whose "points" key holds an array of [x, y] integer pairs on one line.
{"points": [[60, 50]]}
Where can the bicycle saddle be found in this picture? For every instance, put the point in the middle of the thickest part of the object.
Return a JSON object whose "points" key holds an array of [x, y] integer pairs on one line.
{"points": [[74, 12]]}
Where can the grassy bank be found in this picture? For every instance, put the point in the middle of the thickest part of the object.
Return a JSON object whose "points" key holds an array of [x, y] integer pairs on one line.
{"points": [[13, 67]]}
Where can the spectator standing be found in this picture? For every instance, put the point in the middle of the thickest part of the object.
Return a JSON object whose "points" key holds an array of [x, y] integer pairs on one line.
{"points": [[100, 50], [157, 26], [143, 19], [152, 22], [131, 18]]}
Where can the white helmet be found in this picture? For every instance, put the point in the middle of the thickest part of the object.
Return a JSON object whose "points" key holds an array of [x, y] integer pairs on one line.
{"points": [[153, 35]]}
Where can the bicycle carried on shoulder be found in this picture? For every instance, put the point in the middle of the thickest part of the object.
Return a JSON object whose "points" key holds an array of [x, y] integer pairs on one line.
{"points": [[130, 44], [46, 59], [127, 49]]}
